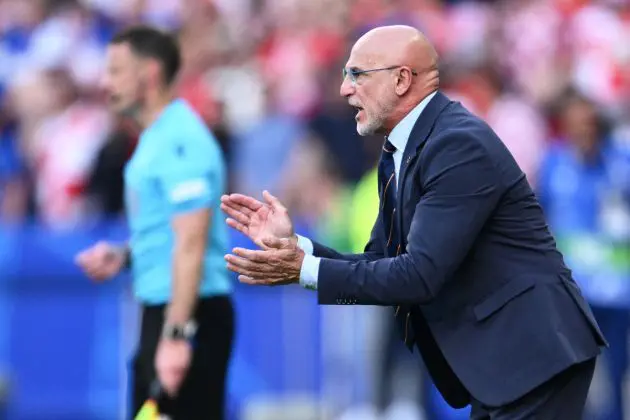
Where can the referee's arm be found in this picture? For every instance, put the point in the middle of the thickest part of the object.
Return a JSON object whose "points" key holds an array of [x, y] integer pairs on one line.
{"points": [[187, 182], [190, 232]]}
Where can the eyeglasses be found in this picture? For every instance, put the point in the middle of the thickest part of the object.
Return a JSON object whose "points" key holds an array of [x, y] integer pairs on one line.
{"points": [[354, 73]]}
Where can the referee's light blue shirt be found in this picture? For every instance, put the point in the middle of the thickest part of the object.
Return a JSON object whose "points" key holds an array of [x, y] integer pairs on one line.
{"points": [[177, 167]]}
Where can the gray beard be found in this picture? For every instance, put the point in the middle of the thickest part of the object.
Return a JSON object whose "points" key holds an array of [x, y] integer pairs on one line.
{"points": [[369, 129]]}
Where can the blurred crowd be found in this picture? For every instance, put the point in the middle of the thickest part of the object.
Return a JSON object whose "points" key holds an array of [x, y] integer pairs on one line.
{"points": [[265, 76], [552, 77]]}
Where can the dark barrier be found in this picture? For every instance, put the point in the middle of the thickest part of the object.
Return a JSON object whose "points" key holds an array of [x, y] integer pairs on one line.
{"points": [[65, 342]]}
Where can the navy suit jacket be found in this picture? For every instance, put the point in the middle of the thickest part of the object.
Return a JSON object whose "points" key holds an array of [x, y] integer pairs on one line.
{"points": [[494, 308]]}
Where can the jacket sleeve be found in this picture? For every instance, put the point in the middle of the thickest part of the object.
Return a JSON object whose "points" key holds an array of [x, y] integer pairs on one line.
{"points": [[461, 188], [373, 250]]}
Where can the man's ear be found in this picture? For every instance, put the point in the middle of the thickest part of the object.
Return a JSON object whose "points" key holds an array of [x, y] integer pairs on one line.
{"points": [[150, 72], [403, 81]]}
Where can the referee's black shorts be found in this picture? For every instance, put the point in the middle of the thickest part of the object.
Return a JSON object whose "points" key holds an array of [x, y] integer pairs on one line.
{"points": [[203, 393]]}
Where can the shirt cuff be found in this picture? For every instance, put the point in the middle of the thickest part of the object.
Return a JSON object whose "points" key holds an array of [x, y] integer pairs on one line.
{"points": [[309, 272], [306, 244]]}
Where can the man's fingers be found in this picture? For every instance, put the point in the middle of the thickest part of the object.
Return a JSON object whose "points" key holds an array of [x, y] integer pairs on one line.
{"points": [[235, 213], [246, 279], [228, 201], [253, 255], [255, 282], [242, 265], [88, 257], [90, 266], [273, 201], [249, 265], [245, 201], [232, 208], [240, 261], [245, 271], [171, 381], [236, 225], [252, 269], [81, 258], [167, 382], [96, 274]]}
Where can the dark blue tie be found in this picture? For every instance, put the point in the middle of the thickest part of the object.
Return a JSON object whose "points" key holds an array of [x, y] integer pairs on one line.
{"points": [[387, 181], [388, 186]]}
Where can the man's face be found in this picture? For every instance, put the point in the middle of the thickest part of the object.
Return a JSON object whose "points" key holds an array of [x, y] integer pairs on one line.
{"points": [[123, 80], [580, 124], [372, 94]]}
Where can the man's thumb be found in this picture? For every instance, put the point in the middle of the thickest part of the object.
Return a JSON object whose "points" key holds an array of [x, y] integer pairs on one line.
{"points": [[272, 200], [272, 242]]}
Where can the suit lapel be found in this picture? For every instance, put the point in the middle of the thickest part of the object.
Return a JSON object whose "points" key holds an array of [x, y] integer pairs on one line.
{"points": [[419, 134]]}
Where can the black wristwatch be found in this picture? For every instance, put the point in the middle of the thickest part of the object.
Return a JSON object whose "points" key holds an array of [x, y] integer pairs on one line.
{"points": [[185, 331]]}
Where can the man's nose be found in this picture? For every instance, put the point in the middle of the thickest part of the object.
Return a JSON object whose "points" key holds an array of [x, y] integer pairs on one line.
{"points": [[347, 88]]}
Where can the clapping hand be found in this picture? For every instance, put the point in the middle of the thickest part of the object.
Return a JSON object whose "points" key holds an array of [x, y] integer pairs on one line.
{"points": [[258, 220], [278, 264], [269, 226]]}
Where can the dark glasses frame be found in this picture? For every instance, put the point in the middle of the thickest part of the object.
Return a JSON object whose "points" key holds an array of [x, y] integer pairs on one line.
{"points": [[354, 73]]}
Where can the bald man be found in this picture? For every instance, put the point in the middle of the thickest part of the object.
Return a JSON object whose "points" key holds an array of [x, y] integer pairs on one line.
{"points": [[460, 248]]}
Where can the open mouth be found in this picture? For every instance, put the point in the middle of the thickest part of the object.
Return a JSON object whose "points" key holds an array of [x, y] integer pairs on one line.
{"points": [[359, 111]]}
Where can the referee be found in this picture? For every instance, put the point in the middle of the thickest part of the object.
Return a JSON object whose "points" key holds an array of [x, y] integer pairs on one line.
{"points": [[173, 185]]}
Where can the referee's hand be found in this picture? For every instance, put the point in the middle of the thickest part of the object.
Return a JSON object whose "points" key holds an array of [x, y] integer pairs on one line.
{"points": [[172, 360], [101, 261]]}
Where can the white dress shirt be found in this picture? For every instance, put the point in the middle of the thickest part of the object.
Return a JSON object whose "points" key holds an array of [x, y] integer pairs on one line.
{"points": [[399, 136]]}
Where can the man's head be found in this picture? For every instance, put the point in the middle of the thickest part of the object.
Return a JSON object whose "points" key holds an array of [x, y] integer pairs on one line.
{"points": [[580, 122], [390, 70], [141, 61]]}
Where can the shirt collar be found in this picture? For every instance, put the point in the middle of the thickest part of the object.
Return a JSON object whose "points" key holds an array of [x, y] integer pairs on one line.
{"points": [[401, 132]]}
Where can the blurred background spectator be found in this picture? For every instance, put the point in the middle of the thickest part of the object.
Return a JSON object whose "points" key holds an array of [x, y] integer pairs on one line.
{"points": [[552, 77]]}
